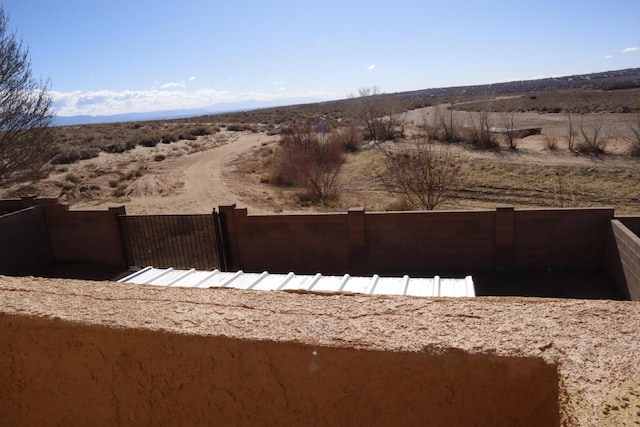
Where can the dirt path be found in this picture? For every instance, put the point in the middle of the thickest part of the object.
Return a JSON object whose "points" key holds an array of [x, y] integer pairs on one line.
{"points": [[194, 183]]}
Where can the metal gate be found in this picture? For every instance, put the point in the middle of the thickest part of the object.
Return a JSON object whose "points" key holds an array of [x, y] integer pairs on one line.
{"points": [[179, 241]]}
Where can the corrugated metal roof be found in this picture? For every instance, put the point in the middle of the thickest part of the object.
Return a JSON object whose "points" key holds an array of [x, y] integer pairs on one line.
{"points": [[421, 287]]}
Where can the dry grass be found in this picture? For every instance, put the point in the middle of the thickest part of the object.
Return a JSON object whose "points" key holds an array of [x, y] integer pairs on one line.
{"points": [[555, 179], [501, 176], [489, 182]]}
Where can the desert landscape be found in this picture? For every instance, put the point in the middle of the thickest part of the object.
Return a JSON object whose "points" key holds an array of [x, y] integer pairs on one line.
{"points": [[192, 165], [285, 214], [548, 147]]}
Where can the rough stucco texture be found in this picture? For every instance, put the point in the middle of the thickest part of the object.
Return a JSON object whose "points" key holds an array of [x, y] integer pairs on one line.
{"points": [[100, 353]]}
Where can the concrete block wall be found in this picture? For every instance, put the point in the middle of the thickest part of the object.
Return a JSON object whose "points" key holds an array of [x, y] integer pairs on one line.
{"points": [[631, 222], [283, 243], [85, 236], [411, 242], [623, 260], [362, 243], [12, 205], [561, 237], [24, 241], [394, 243]]}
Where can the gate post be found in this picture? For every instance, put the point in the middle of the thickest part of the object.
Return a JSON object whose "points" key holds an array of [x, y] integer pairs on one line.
{"points": [[119, 213], [220, 242], [229, 233]]}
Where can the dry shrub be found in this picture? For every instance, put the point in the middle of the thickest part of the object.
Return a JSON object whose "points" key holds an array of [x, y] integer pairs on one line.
{"points": [[443, 126], [201, 131], [239, 127], [120, 147], [634, 135], [480, 133], [551, 142], [310, 157], [187, 137], [423, 177], [66, 154], [168, 138], [593, 139], [350, 136], [564, 191], [510, 126], [381, 116]]}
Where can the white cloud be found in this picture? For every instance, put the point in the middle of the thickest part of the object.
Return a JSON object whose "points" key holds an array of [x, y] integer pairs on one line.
{"points": [[629, 49], [106, 102], [371, 67], [171, 85], [608, 56], [278, 83], [192, 78]]}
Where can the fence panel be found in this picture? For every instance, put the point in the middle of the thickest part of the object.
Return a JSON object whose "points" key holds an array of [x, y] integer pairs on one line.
{"points": [[179, 241]]}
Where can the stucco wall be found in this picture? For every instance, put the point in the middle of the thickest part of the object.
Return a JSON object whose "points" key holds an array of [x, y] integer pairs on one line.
{"points": [[88, 353], [86, 375]]}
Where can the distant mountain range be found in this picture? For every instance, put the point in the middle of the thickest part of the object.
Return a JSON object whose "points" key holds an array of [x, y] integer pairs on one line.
{"points": [[182, 113], [608, 80]]}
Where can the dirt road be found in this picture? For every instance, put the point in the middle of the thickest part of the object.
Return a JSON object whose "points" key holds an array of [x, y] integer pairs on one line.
{"points": [[194, 183]]}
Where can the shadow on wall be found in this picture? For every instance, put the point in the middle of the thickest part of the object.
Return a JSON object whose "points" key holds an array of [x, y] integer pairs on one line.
{"points": [[548, 283]]}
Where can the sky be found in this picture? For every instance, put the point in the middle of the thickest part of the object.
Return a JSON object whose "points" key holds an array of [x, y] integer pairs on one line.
{"points": [[123, 56]]}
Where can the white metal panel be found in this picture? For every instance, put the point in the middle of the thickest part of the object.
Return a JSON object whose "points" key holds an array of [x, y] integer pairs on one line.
{"points": [[422, 287], [389, 286], [273, 281], [331, 283], [377, 285]]}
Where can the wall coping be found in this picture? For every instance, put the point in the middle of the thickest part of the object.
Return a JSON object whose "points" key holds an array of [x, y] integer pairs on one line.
{"points": [[593, 343]]}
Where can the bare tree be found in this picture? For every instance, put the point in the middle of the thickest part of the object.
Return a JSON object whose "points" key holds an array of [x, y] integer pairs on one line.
{"points": [[571, 132], [593, 136], [311, 157], [25, 111], [424, 176], [634, 134], [509, 123], [381, 115], [443, 126], [481, 132]]}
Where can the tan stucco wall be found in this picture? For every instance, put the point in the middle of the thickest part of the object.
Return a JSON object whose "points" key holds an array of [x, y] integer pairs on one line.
{"points": [[100, 353]]}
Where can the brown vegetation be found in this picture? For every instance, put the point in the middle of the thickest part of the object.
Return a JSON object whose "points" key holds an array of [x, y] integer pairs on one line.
{"points": [[121, 161], [424, 177], [311, 157]]}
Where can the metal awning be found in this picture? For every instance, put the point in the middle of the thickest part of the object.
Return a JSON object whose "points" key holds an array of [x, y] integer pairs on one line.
{"points": [[376, 285]]}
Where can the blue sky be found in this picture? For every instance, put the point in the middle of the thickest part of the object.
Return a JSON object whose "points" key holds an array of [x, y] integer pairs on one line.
{"points": [[122, 56]]}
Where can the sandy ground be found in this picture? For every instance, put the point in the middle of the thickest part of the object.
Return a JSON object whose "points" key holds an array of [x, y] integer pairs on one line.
{"points": [[193, 183]]}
